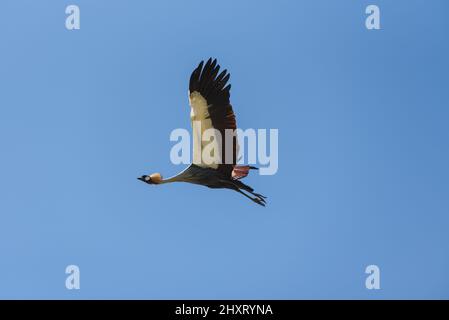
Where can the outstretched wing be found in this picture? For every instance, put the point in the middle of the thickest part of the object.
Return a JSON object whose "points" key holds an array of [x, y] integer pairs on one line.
{"points": [[210, 107]]}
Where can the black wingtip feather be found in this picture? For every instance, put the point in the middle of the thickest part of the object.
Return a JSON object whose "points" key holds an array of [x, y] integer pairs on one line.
{"points": [[213, 88]]}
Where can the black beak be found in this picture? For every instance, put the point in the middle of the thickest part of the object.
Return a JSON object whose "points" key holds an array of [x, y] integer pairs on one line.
{"points": [[145, 179]]}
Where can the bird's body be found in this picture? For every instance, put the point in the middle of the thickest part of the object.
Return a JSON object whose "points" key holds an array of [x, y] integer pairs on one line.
{"points": [[211, 109]]}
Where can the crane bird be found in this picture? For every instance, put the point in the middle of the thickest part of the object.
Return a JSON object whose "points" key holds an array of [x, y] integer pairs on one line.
{"points": [[209, 102]]}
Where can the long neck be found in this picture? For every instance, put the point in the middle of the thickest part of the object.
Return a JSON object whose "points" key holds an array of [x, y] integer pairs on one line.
{"points": [[182, 176]]}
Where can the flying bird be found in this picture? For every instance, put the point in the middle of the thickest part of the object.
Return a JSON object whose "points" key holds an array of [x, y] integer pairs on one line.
{"points": [[209, 96]]}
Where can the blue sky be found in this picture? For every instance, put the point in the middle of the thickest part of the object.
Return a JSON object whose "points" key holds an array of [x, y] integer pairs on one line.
{"points": [[363, 150]]}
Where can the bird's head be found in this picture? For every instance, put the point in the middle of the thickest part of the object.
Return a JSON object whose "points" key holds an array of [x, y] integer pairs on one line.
{"points": [[154, 178]]}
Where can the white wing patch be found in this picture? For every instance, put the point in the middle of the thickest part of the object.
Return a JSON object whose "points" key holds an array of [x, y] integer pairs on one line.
{"points": [[199, 113]]}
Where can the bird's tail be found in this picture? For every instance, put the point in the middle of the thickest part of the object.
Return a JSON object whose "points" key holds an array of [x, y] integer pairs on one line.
{"points": [[239, 172]]}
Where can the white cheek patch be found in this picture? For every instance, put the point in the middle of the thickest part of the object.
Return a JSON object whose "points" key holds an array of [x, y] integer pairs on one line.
{"points": [[147, 178]]}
